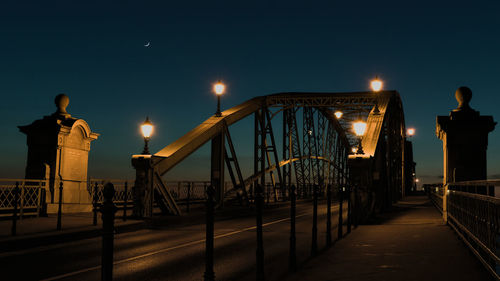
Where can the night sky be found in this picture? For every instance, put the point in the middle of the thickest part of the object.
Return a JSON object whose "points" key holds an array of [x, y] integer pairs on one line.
{"points": [[94, 52]]}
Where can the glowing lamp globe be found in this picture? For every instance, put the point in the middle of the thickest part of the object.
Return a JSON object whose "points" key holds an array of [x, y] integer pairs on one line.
{"points": [[376, 85], [411, 132], [359, 128], [338, 114], [219, 88], [147, 128]]}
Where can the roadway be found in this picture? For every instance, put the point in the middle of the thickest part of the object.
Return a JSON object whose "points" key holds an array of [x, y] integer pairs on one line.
{"points": [[177, 252]]}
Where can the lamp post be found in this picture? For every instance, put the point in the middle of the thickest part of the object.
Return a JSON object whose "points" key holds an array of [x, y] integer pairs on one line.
{"points": [[359, 128], [147, 130], [376, 85], [219, 89]]}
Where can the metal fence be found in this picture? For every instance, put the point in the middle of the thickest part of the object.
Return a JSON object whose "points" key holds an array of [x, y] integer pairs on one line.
{"points": [[123, 190], [435, 192], [30, 196], [476, 219]]}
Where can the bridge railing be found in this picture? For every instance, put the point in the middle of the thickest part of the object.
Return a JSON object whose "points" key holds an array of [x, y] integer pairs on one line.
{"points": [[30, 196], [435, 192], [476, 219]]}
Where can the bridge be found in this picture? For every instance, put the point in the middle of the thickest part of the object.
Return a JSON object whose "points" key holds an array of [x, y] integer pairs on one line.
{"points": [[315, 147], [322, 162]]}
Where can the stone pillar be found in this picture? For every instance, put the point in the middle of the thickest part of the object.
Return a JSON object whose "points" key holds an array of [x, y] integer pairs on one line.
{"points": [[143, 188], [465, 139], [58, 146]]}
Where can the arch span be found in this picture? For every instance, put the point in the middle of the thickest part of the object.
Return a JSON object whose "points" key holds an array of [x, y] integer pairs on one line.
{"points": [[315, 145]]}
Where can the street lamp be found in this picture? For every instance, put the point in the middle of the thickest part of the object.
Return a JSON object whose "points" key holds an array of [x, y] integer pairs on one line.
{"points": [[338, 114], [147, 130], [410, 132], [219, 90], [359, 128], [376, 86]]}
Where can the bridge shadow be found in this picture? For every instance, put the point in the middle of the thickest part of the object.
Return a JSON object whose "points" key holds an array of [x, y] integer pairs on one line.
{"points": [[408, 210]]}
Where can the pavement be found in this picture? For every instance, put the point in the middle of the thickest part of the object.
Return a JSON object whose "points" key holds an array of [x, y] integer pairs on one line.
{"points": [[410, 242]]}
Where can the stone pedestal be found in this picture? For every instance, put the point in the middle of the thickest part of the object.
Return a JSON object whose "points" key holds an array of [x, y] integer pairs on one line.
{"points": [[143, 188], [58, 147], [465, 139]]}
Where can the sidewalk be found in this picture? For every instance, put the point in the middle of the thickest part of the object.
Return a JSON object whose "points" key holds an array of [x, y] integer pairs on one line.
{"points": [[409, 243]]}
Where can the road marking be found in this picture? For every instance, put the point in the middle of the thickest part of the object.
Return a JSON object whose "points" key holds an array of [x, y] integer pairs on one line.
{"points": [[168, 249]]}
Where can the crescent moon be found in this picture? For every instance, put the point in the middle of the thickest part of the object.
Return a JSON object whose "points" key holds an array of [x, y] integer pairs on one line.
{"points": [[147, 44]]}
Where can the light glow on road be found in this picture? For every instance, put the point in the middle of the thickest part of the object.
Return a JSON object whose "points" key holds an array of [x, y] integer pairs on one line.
{"points": [[169, 249]]}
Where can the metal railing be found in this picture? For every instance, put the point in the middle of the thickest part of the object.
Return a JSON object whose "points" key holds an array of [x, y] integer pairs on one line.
{"points": [[123, 189], [435, 192], [30, 196], [476, 219]]}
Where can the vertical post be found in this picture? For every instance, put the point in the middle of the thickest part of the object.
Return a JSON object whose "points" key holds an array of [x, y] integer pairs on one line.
{"points": [[314, 240], [14, 215], [349, 209], [21, 203], [328, 215], [108, 219], [293, 254], [125, 198], [260, 243], [445, 203], [188, 196], [341, 207], [94, 201], [59, 211], [209, 241], [217, 167], [39, 198]]}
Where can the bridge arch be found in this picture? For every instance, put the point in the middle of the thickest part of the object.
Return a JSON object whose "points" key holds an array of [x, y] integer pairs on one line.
{"points": [[317, 151]]}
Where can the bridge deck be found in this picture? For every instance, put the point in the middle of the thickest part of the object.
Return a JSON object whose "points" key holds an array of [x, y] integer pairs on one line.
{"points": [[409, 243]]}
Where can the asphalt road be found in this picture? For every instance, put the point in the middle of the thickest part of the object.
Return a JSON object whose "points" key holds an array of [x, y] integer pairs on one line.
{"points": [[177, 252]]}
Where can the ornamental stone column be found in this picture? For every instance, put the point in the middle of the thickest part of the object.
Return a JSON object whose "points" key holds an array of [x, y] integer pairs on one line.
{"points": [[58, 148], [465, 139]]}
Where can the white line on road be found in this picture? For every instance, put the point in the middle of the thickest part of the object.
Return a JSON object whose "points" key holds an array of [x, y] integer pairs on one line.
{"points": [[167, 249]]}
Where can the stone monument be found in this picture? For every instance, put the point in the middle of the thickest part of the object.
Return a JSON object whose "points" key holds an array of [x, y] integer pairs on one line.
{"points": [[465, 139], [58, 150]]}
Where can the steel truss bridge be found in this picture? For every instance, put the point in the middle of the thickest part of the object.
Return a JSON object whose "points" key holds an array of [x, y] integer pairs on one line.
{"points": [[315, 149]]}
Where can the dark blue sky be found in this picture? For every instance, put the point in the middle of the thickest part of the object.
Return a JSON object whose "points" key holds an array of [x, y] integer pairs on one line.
{"points": [[94, 52]]}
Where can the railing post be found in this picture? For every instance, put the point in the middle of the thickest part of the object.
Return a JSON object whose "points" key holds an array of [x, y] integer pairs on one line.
{"points": [[341, 207], [21, 201], [188, 196], [314, 240], [14, 215], [39, 198], [108, 210], [445, 203], [293, 254], [125, 198], [328, 215], [94, 201], [260, 243], [349, 209], [209, 235], [59, 210]]}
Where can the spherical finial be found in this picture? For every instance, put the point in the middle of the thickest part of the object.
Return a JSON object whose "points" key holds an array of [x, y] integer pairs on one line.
{"points": [[108, 192], [463, 96], [62, 102]]}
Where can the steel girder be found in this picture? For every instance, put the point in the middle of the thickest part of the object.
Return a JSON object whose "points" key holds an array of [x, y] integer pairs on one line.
{"points": [[319, 147]]}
